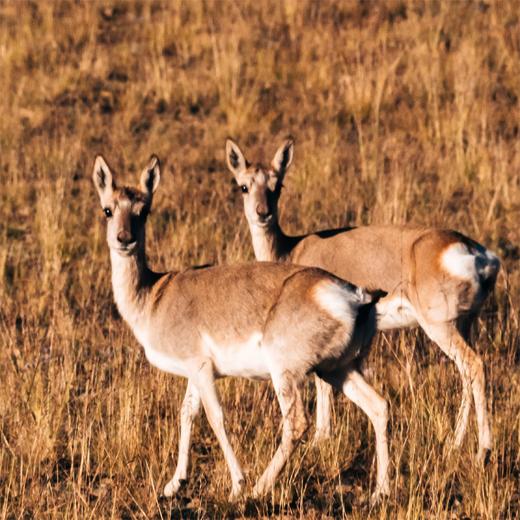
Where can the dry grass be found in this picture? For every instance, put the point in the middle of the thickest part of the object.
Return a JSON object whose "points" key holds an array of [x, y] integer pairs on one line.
{"points": [[403, 112]]}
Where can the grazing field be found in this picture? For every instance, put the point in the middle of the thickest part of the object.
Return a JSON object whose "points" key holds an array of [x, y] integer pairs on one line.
{"points": [[401, 111]]}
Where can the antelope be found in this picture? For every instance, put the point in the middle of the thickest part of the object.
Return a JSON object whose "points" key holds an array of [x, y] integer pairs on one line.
{"points": [[436, 279], [259, 321]]}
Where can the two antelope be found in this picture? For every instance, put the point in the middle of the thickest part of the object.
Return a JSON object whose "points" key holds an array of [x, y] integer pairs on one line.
{"points": [[434, 278], [261, 321], [280, 321]]}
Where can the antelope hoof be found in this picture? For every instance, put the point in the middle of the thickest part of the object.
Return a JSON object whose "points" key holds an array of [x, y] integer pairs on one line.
{"points": [[236, 491], [379, 495], [258, 491], [484, 456], [375, 499], [173, 486]]}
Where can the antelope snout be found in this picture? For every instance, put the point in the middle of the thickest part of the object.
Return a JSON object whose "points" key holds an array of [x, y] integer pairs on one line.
{"points": [[263, 211], [125, 237]]}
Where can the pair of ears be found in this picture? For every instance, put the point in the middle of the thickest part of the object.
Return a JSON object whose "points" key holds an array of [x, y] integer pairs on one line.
{"points": [[151, 175], [105, 184], [237, 163]]}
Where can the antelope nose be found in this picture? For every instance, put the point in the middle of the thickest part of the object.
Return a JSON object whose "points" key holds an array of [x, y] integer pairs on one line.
{"points": [[124, 237], [262, 210]]}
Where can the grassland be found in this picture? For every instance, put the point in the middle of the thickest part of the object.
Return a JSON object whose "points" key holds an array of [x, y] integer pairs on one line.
{"points": [[402, 112]]}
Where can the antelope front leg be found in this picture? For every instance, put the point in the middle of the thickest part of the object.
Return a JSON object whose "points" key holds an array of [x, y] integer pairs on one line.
{"points": [[211, 403], [323, 404], [189, 410]]}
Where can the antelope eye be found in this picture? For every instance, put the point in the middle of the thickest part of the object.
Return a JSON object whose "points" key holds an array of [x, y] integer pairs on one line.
{"points": [[107, 212], [244, 188]]}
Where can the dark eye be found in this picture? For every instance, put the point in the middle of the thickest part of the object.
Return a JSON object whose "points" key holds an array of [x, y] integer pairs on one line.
{"points": [[107, 212], [244, 188]]}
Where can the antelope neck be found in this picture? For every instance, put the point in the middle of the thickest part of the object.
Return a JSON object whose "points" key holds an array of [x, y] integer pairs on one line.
{"points": [[131, 283], [267, 242]]}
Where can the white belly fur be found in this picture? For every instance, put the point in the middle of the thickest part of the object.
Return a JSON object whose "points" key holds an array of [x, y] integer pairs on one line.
{"points": [[244, 359], [164, 362]]}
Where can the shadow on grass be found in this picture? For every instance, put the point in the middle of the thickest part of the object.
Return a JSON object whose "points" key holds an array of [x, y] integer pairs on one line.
{"points": [[335, 497]]}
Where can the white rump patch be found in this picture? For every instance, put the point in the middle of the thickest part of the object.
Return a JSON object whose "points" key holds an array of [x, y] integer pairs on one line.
{"points": [[395, 313], [337, 301], [459, 262], [244, 359]]}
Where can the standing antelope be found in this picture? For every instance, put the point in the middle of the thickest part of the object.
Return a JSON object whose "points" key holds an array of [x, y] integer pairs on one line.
{"points": [[261, 321], [435, 278]]}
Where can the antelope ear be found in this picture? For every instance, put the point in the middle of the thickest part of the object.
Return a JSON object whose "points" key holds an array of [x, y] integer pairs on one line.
{"points": [[103, 180], [283, 157], [151, 176], [235, 158]]}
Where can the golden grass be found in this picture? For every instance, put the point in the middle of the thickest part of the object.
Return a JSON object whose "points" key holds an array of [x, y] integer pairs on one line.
{"points": [[402, 112]]}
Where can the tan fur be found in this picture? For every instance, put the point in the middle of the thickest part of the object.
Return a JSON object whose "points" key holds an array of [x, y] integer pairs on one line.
{"points": [[259, 320], [405, 261]]}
